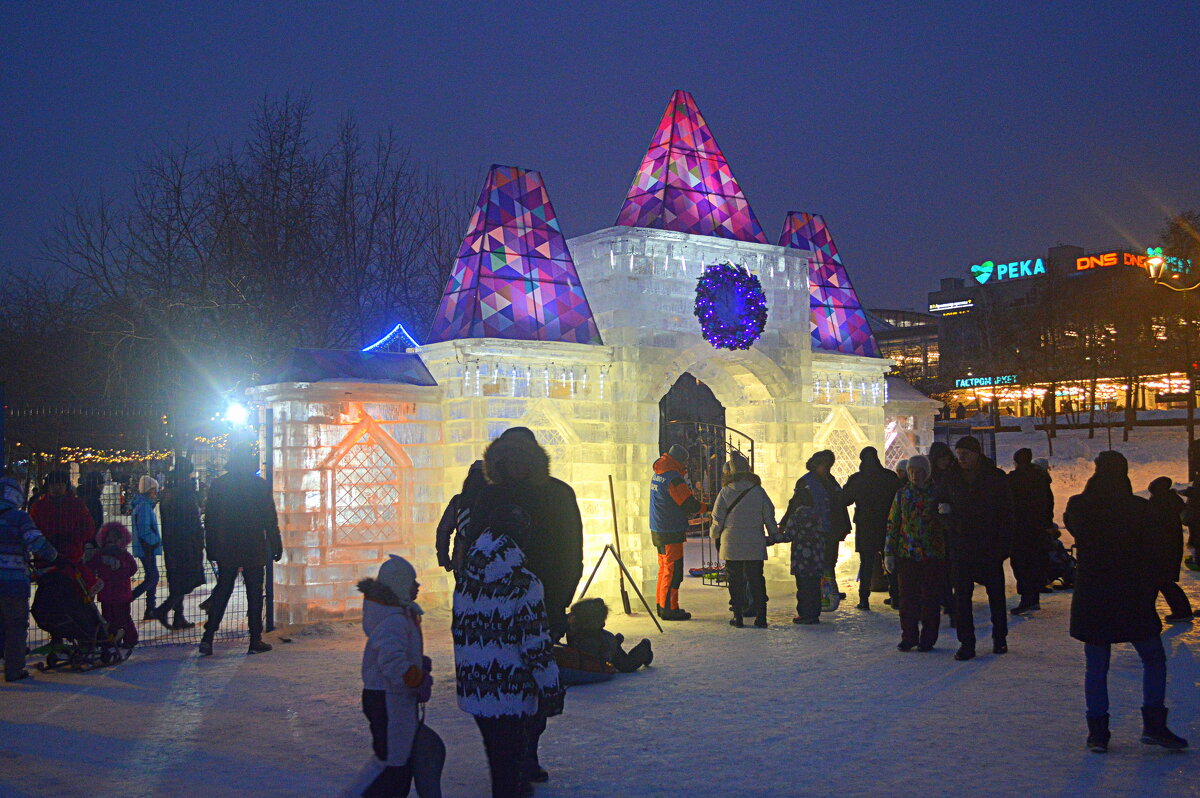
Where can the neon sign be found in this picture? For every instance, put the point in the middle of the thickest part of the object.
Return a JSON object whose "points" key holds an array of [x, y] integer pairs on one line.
{"points": [[952, 308], [1106, 259], [1007, 271], [985, 382]]}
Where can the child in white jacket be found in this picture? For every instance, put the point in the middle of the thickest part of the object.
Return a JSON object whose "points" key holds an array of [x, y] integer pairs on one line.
{"points": [[396, 682]]}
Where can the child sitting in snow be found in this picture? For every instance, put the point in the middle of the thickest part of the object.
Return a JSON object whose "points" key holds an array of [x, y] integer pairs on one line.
{"points": [[396, 682], [112, 563], [586, 632]]}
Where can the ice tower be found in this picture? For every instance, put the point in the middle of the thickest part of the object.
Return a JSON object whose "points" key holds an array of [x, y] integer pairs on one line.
{"points": [[838, 321], [367, 448]]}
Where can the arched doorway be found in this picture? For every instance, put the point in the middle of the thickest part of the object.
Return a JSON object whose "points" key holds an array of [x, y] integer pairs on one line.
{"points": [[684, 412]]}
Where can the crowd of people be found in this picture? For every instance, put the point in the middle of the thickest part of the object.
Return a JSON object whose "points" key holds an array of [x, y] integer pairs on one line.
{"points": [[926, 533], [63, 532]]}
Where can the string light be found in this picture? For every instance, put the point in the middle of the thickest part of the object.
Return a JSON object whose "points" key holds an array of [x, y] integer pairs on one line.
{"points": [[731, 306]]}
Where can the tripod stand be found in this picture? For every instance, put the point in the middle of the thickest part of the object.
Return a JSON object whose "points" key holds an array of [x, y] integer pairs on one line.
{"points": [[616, 553]]}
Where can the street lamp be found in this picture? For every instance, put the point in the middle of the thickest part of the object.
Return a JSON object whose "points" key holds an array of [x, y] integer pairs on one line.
{"points": [[1156, 267]]}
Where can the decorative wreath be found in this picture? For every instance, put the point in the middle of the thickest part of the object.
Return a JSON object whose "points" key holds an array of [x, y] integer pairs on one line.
{"points": [[731, 306]]}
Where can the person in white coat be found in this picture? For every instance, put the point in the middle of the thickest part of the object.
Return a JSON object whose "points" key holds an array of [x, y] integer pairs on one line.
{"points": [[742, 512], [396, 683]]}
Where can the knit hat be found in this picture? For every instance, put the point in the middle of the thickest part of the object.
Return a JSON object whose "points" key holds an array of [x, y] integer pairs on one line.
{"points": [[147, 483], [869, 454], [1112, 463], [11, 492], [970, 444], [398, 575], [1023, 456], [518, 432], [737, 463], [919, 462], [679, 453]]}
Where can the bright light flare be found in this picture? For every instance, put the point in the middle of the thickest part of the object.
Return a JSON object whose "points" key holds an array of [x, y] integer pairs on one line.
{"points": [[237, 414]]}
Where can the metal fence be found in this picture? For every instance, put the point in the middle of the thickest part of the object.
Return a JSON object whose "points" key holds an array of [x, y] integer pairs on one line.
{"points": [[115, 502]]}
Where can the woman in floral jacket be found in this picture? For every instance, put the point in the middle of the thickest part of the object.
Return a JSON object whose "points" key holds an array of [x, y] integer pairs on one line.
{"points": [[915, 550]]}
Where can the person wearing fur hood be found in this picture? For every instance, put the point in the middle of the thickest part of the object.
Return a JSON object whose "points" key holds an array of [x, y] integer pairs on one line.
{"points": [[741, 513], [396, 682], [503, 655], [112, 563], [518, 472]]}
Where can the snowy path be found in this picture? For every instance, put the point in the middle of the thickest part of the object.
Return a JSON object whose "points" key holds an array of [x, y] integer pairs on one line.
{"points": [[828, 710]]}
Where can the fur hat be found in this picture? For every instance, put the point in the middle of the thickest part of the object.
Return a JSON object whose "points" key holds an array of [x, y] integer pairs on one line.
{"points": [[398, 576], [919, 462], [589, 614], [147, 483], [124, 537], [1023, 456], [737, 463], [515, 459]]}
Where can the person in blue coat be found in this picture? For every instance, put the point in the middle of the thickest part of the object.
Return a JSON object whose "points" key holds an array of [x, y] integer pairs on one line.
{"points": [[146, 541]]}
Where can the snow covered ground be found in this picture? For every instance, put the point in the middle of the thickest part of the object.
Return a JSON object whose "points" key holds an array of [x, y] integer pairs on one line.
{"points": [[826, 710]]}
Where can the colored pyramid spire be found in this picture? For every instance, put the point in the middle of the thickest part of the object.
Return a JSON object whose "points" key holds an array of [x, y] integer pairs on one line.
{"points": [[684, 183], [838, 322], [514, 277]]}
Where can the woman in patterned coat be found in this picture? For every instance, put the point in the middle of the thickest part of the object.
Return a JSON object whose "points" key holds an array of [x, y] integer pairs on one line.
{"points": [[915, 550], [503, 657]]}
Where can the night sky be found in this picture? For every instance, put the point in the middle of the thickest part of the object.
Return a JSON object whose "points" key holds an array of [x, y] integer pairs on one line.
{"points": [[931, 137]]}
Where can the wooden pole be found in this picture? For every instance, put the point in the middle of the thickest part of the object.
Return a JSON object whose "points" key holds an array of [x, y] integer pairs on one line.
{"points": [[612, 494]]}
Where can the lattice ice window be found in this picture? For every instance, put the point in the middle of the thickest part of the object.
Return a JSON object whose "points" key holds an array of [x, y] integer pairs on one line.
{"points": [[845, 449], [366, 495]]}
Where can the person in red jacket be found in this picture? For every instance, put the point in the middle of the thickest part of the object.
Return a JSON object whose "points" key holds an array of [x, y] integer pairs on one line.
{"points": [[63, 518]]}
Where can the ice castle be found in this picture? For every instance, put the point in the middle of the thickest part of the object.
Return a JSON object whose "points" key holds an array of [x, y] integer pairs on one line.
{"points": [[577, 340]]}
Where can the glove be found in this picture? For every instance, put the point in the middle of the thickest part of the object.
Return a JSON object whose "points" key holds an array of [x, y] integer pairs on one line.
{"points": [[425, 689], [111, 562], [943, 509], [550, 703], [889, 564], [277, 556]]}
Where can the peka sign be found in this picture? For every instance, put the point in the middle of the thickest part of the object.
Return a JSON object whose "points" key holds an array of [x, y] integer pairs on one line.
{"points": [[995, 272]]}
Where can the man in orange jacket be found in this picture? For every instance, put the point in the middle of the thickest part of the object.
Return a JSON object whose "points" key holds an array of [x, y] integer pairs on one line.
{"points": [[671, 506]]}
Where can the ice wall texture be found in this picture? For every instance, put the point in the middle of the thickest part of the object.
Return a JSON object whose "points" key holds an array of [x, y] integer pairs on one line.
{"points": [[513, 277], [685, 184], [838, 321]]}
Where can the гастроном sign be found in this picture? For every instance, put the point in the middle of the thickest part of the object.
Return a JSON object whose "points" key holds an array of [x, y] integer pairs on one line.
{"points": [[985, 382], [1013, 270]]}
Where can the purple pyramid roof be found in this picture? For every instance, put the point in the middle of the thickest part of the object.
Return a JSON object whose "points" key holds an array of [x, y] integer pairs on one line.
{"points": [[685, 184], [837, 320], [514, 277]]}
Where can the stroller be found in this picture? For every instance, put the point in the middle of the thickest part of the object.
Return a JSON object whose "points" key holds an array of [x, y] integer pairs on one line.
{"points": [[79, 638], [1061, 564]]}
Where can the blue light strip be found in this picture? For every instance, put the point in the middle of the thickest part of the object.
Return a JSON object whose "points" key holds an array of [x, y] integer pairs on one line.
{"points": [[395, 332]]}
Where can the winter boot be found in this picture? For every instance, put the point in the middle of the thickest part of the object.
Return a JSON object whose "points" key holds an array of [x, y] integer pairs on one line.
{"points": [[1025, 606], [206, 644], [642, 654], [150, 614], [964, 653], [257, 646], [1098, 736], [864, 604], [760, 620], [999, 646], [1178, 617], [1155, 731], [160, 615], [736, 620], [181, 622]]}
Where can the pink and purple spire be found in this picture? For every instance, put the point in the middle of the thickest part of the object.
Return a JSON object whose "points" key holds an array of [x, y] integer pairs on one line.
{"points": [[685, 184], [514, 277], [837, 320]]}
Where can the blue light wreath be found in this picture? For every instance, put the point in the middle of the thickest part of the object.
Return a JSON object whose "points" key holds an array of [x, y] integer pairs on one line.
{"points": [[731, 306]]}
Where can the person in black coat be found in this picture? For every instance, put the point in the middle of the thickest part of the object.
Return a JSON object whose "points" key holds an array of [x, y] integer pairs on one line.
{"points": [[1166, 530], [183, 542], [1033, 516], [452, 529], [945, 466], [1114, 597], [871, 490], [241, 531], [518, 472], [978, 505]]}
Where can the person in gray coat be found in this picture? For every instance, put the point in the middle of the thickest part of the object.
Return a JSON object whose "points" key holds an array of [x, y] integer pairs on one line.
{"points": [[742, 511]]}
